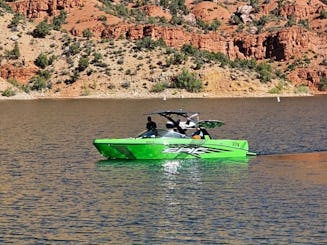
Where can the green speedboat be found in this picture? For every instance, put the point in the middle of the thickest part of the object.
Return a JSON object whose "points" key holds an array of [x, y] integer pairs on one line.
{"points": [[174, 142]]}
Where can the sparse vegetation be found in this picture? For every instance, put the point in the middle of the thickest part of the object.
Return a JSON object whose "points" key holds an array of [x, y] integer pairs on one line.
{"points": [[41, 30], [158, 87], [42, 61], [87, 33], [189, 81], [302, 89], [59, 20], [9, 92], [13, 54], [322, 86], [264, 72]]}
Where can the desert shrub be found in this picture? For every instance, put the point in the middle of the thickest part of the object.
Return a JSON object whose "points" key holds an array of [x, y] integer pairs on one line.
{"points": [[243, 63], [302, 89], [264, 75], [83, 63], [291, 21], [45, 74], [158, 87], [16, 20], [278, 88], [322, 85], [13, 54], [59, 20], [190, 50], [42, 61], [5, 6], [74, 48], [304, 23], [204, 56], [148, 43], [87, 33], [177, 59], [188, 81], [97, 57], [255, 4], [26, 88], [323, 14], [213, 26], [264, 72], [13, 82], [41, 30], [38, 83], [8, 92]]}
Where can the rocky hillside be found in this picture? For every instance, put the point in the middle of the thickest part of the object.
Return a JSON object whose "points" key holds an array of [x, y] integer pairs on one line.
{"points": [[145, 48]]}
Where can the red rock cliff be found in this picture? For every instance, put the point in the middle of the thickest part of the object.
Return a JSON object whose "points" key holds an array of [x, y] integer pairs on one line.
{"points": [[42, 8]]}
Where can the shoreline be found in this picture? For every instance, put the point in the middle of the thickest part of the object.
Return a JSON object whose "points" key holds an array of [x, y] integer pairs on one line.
{"points": [[163, 96]]}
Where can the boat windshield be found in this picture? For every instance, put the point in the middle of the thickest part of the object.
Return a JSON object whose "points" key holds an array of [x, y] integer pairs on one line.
{"points": [[161, 133]]}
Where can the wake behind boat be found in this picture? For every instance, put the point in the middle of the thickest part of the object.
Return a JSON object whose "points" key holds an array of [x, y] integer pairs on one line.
{"points": [[174, 142]]}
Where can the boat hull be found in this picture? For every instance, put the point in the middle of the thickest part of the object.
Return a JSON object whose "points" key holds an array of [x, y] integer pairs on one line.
{"points": [[168, 148]]}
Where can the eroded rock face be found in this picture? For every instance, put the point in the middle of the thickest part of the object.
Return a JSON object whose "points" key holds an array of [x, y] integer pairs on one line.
{"points": [[279, 46], [21, 74], [300, 9], [282, 45], [42, 8]]}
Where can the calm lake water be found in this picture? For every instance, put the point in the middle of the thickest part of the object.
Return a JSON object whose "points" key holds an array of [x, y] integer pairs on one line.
{"points": [[55, 188]]}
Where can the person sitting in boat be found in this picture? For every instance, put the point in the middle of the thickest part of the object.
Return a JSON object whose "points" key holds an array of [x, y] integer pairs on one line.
{"points": [[201, 133], [198, 134], [150, 124], [170, 126]]}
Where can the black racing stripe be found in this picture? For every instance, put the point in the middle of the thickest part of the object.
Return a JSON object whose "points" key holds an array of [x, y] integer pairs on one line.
{"points": [[125, 151]]}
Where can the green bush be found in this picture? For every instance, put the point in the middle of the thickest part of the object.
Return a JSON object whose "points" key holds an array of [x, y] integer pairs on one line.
{"points": [[213, 26], [302, 89], [291, 21], [44, 73], [177, 59], [38, 83], [304, 23], [8, 92], [74, 48], [243, 63], [322, 85], [188, 81], [87, 33], [13, 54], [158, 87], [323, 14], [42, 61], [59, 20], [16, 19], [41, 30], [265, 72], [5, 6], [83, 63], [203, 56]]}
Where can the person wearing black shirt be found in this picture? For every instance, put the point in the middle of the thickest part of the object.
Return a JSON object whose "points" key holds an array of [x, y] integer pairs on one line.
{"points": [[150, 124]]}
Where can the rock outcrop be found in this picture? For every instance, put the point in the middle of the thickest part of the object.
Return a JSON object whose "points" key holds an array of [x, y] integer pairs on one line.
{"points": [[279, 46], [20, 73], [43, 8]]}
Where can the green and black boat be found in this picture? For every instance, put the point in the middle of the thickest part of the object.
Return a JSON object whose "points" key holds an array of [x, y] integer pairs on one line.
{"points": [[173, 142]]}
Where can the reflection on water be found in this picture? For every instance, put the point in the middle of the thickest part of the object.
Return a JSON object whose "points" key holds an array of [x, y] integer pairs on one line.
{"points": [[55, 189]]}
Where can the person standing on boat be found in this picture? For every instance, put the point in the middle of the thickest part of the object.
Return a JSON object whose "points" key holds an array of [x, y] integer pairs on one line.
{"points": [[150, 125]]}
